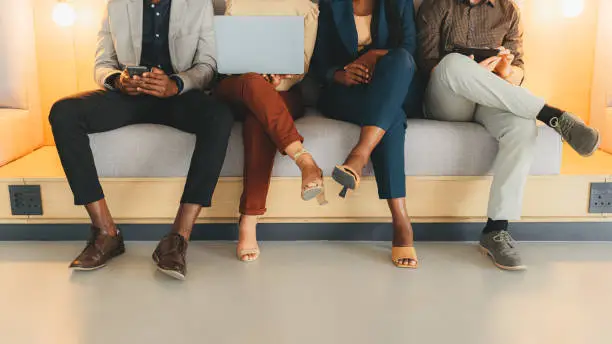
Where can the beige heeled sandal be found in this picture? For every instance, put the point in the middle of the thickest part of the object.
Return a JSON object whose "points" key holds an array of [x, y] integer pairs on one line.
{"points": [[241, 254], [402, 253], [314, 189]]}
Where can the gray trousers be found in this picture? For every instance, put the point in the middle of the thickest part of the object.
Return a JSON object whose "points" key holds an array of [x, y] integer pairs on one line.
{"points": [[462, 91]]}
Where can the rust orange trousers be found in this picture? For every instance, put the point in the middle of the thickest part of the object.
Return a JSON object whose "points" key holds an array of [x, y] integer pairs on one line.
{"points": [[268, 117]]}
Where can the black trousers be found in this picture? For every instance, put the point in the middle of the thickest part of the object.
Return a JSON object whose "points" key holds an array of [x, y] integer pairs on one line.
{"points": [[194, 112]]}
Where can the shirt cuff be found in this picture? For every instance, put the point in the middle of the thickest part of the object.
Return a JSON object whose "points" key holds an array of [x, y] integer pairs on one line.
{"points": [[179, 83], [109, 82]]}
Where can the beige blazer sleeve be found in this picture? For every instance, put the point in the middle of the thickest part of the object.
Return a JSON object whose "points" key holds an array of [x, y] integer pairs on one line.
{"points": [[305, 8], [204, 64], [106, 63]]}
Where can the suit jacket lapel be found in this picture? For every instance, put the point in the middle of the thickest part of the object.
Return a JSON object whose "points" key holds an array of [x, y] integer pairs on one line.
{"points": [[177, 12], [345, 22], [135, 11], [383, 28]]}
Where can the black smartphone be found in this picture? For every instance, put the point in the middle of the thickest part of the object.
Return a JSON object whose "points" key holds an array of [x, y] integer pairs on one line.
{"points": [[480, 54], [137, 70]]}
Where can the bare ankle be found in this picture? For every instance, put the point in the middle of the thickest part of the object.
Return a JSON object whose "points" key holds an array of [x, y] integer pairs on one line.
{"points": [[101, 217], [248, 222], [247, 229], [357, 161], [294, 148], [306, 162]]}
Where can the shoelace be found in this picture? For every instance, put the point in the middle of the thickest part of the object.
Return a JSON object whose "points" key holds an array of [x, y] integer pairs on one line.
{"points": [[563, 126], [504, 238]]}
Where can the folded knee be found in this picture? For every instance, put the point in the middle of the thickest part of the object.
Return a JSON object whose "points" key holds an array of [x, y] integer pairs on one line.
{"points": [[64, 112], [453, 64], [403, 59]]}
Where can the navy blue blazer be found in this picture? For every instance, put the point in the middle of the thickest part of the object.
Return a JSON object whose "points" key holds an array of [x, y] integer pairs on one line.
{"points": [[337, 35]]}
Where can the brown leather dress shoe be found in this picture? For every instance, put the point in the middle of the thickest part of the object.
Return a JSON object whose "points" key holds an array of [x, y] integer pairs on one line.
{"points": [[170, 256], [99, 250]]}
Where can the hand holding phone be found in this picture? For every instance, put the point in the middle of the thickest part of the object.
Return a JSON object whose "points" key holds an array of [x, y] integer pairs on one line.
{"points": [[126, 84], [137, 70], [157, 84]]}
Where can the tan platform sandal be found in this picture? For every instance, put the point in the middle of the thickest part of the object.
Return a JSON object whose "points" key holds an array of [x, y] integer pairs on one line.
{"points": [[314, 189], [241, 254], [347, 177], [400, 253]]}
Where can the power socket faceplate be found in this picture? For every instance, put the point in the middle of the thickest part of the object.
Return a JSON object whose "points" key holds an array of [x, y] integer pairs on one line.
{"points": [[25, 199], [601, 198]]}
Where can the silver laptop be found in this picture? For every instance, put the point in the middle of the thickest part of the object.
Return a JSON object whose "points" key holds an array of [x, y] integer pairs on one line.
{"points": [[265, 45]]}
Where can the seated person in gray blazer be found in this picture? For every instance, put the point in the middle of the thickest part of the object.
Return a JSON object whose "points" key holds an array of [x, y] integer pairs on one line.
{"points": [[175, 39], [464, 87]]}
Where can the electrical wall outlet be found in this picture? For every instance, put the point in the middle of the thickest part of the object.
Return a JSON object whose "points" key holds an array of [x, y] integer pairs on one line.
{"points": [[601, 198], [25, 199]]}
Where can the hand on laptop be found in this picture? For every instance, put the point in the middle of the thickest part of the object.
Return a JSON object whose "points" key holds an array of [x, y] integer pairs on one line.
{"points": [[275, 79], [156, 83], [126, 84]]}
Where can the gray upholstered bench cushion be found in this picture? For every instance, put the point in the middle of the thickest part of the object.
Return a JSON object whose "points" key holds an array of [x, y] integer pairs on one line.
{"points": [[432, 149]]}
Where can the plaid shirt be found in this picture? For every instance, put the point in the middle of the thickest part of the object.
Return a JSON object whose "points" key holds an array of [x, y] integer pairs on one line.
{"points": [[444, 24]]}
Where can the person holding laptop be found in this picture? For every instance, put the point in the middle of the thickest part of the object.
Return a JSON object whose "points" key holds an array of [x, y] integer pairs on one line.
{"points": [[364, 59], [482, 85], [154, 59], [268, 106]]}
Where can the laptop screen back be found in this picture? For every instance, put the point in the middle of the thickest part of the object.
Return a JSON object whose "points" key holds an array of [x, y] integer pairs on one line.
{"points": [[260, 44]]}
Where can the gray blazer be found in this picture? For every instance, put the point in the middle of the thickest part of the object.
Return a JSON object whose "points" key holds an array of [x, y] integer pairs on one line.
{"points": [[191, 41]]}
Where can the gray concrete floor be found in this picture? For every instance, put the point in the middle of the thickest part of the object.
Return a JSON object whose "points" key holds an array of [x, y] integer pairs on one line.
{"points": [[308, 293]]}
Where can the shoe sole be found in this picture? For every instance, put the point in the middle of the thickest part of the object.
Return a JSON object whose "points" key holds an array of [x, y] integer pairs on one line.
{"points": [[309, 194], [113, 256], [174, 274], [486, 252], [78, 268], [596, 146], [344, 178]]}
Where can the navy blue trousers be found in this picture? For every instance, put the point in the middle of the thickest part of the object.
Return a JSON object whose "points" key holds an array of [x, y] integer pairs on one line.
{"points": [[379, 103]]}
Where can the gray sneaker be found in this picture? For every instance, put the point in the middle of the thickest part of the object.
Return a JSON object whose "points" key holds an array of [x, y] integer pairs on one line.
{"points": [[582, 138], [500, 246]]}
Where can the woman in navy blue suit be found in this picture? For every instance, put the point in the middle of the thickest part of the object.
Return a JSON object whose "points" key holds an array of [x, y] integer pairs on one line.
{"points": [[364, 59]]}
